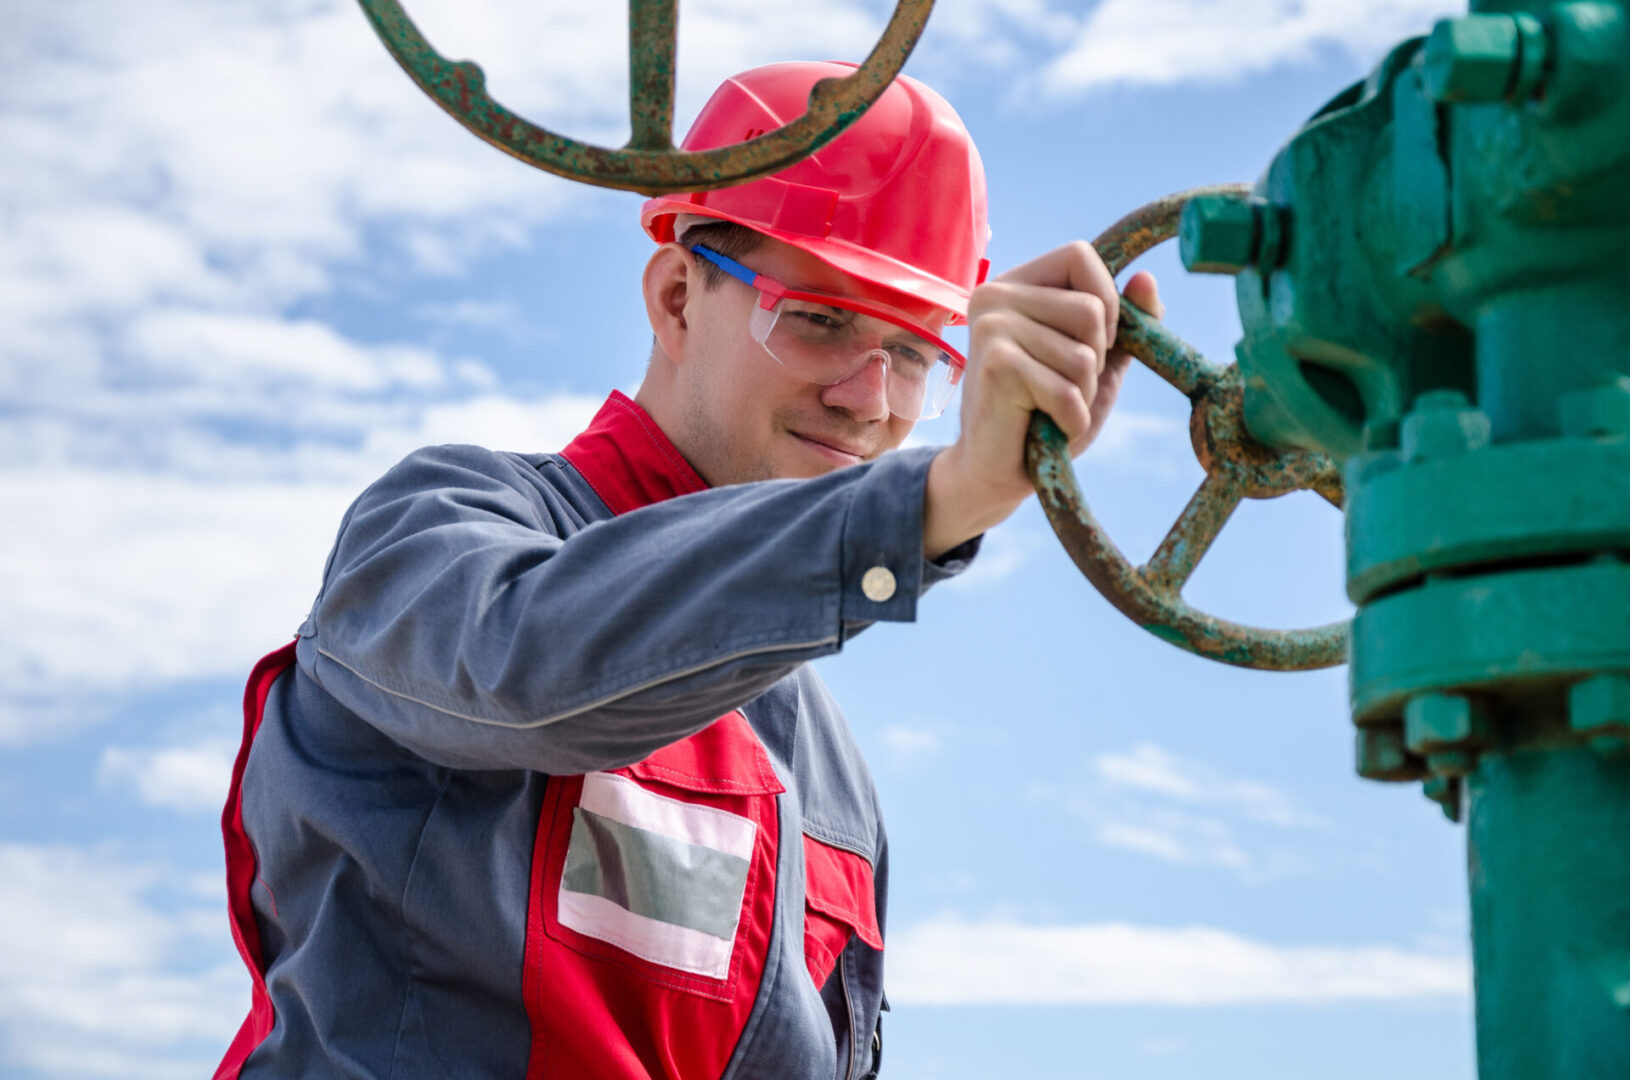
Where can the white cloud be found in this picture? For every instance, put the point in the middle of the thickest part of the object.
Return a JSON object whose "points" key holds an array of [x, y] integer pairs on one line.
{"points": [[953, 961], [912, 742], [1185, 839], [191, 777], [482, 313], [254, 350], [1148, 800], [98, 980], [1130, 433], [119, 580], [1168, 42], [1154, 770]]}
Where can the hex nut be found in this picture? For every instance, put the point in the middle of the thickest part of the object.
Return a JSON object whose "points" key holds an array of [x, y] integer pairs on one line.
{"points": [[1472, 59], [1443, 424], [1381, 755], [1435, 723], [1219, 234], [1600, 412], [1599, 707]]}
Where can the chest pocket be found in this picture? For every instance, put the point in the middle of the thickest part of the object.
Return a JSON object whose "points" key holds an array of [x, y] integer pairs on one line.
{"points": [[653, 898], [840, 898]]}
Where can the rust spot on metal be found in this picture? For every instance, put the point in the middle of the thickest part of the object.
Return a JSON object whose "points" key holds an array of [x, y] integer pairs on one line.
{"points": [[1237, 467]]}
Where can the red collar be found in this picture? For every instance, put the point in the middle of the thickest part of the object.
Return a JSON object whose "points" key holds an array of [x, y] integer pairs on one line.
{"points": [[627, 459]]}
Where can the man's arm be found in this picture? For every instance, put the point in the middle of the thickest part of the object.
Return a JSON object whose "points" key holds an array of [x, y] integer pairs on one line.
{"points": [[453, 618]]}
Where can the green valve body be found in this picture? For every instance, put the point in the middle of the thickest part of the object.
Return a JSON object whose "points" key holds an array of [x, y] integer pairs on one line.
{"points": [[1434, 281]]}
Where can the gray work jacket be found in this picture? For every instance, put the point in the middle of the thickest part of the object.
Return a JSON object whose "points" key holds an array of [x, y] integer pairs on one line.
{"points": [[496, 829]]}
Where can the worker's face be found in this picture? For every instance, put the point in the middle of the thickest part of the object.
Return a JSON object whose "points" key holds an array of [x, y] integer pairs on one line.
{"points": [[745, 416]]}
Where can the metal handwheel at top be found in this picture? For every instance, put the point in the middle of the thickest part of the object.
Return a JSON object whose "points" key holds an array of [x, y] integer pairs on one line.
{"points": [[649, 163], [1237, 467]]}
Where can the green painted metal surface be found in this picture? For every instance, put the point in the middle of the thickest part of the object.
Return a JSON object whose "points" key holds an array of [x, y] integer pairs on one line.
{"points": [[1434, 289], [649, 163]]}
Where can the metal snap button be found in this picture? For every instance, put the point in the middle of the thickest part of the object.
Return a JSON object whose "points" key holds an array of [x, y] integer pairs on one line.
{"points": [[878, 584]]}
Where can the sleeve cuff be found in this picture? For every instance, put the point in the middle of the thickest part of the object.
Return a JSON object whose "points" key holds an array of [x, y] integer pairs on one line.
{"points": [[883, 569]]}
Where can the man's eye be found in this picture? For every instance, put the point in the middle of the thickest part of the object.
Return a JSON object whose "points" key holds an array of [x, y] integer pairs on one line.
{"points": [[820, 319], [909, 361]]}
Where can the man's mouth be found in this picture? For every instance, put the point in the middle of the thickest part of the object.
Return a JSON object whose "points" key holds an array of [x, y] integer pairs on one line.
{"points": [[836, 449]]}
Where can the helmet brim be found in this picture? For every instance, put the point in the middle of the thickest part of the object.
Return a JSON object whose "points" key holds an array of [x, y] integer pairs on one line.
{"points": [[657, 217]]}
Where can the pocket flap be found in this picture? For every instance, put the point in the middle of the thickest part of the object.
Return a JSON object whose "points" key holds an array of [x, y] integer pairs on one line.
{"points": [[839, 884], [724, 758]]}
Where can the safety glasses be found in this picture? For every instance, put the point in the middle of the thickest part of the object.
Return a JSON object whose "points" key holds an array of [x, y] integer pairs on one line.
{"points": [[827, 339]]}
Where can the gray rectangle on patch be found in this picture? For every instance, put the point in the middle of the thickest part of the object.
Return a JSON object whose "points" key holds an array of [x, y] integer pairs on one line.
{"points": [[654, 875]]}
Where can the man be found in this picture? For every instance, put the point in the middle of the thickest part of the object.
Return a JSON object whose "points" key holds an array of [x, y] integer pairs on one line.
{"points": [[545, 787]]}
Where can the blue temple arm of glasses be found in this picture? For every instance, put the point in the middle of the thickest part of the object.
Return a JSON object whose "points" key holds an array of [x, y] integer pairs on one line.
{"points": [[728, 265]]}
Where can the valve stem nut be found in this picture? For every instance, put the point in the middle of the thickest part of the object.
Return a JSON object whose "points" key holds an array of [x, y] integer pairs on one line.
{"points": [[1226, 234]]}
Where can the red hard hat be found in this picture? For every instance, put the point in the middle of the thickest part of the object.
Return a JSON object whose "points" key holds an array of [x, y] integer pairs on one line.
{"points": [[898, 199]]}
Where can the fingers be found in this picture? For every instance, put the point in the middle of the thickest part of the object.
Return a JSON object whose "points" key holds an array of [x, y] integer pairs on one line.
{"points": [[1076, 361], [1078, 316], [1075, 266], [1143, 291], [1062, 384], [1103, 401]]}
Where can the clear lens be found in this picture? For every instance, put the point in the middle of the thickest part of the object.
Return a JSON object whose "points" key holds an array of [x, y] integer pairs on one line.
{"points": [[827, 344]]}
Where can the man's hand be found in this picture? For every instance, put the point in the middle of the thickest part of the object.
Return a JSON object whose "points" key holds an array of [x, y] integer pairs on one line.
{"points": [[1042, 337]]}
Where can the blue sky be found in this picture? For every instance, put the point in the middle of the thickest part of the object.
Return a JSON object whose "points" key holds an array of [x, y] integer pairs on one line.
{"points": [[245, 265]]}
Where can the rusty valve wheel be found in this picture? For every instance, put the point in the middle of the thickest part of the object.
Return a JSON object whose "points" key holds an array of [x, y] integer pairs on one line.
{"points": [[1237, 467], [649, 163]]}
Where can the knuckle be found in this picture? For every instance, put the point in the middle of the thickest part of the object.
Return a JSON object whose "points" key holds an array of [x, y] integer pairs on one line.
{"points": [[993, 322], [1076, 361], [1095, 307], [1003, 355], [989, 298], [1083, 363]]}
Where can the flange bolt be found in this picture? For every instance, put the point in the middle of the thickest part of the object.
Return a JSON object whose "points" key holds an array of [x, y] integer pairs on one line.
{"points": [[1599, 710], [1382, 755], [1442, 424]]}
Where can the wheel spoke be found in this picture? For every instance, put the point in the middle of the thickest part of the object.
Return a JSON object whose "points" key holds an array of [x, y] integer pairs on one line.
{"points": [[1173, 562], [1166, 354], [652, 30]]}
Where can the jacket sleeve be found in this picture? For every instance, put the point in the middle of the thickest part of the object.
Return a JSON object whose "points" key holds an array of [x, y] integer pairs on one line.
{"points": [[455, 618]]}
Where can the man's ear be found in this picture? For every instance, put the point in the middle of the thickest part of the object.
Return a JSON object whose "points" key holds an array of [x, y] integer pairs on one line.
{"points": [[670, 275]]}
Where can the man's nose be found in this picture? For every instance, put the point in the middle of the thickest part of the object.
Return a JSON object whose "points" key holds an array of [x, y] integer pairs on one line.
{"points": [[864, 394]]}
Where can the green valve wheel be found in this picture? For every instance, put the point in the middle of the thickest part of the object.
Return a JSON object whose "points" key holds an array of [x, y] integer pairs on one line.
{"points": [[649, 163], [1237, 467]]}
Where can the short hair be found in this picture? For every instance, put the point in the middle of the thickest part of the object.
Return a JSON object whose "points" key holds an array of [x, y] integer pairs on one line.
{"points": [[724, 237]]}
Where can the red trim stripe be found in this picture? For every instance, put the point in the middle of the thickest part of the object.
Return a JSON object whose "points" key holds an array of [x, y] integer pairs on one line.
{"points": [[241, 869]]}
